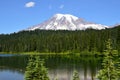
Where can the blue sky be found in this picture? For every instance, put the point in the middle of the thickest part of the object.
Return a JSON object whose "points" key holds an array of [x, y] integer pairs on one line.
{"points": [[17, 15]]}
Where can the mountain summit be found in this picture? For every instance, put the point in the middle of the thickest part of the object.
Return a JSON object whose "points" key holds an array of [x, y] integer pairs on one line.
{"points": [[66, 22]]}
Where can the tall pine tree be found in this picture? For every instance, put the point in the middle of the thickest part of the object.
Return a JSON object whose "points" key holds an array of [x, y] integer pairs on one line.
{"points": [[109, 70], [29, 73], [36, 70]]}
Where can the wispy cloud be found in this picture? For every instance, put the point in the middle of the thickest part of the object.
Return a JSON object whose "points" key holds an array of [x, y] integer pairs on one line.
{"points": [[61, 6], [30, 4]]}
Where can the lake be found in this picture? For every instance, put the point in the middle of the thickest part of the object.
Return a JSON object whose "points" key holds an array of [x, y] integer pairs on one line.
{"points": [[12, 67]]}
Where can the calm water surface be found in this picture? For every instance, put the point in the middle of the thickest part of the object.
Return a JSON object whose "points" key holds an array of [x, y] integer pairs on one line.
{"points": [[12, 67]]}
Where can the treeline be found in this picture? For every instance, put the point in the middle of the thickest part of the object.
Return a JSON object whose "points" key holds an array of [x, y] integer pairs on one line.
{"points": [[48, 41]]}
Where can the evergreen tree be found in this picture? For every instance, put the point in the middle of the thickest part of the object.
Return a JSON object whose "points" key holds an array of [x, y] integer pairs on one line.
{"points": [[76, 75], [36, 70], [29, 73], [118, 67], [40, 70], [109, 71]]}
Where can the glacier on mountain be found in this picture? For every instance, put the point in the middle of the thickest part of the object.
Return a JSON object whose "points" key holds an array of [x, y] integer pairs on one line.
{"points": [[67, 22]]}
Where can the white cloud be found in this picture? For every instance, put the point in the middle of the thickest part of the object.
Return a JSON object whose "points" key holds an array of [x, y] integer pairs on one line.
{"points": [[61, 6], [30, 4]]}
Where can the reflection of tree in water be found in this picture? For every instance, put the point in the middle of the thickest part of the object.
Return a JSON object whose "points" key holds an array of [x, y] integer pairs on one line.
{"points": [[13, 63], [57, 65]]}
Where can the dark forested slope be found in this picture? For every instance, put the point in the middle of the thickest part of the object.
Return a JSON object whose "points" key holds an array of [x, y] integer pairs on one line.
{"points": [[59, 41]]}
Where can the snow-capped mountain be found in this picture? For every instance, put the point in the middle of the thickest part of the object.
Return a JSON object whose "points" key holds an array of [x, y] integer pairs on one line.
{"points": [[66, 22]]}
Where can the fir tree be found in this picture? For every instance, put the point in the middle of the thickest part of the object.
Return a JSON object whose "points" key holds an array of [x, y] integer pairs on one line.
{"points": [[109, 71], [36, 70], [118, 67], [41, 71], [29, 73], [76, 75]]}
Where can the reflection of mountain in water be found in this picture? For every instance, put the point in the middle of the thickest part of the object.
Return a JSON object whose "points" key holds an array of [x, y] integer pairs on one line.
{"points": [[10, 69], [58, 66], [8, 74]]}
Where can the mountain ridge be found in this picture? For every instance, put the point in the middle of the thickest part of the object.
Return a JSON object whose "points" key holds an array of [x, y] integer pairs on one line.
{"points": [[67, 22]]}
